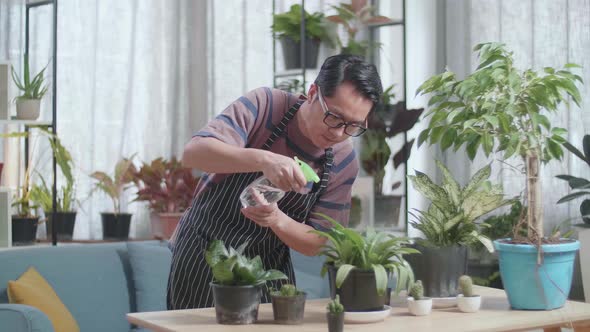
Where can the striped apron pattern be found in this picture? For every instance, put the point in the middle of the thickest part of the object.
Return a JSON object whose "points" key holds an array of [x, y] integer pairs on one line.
{"points": [[215, 214]]}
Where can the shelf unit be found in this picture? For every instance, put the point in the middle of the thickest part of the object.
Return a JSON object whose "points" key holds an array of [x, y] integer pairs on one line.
{"points": [[373, 57], [5, 225]]}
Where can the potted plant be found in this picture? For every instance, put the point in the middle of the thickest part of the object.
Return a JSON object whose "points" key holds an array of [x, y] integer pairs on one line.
{"points": [[288, 304], [356, 17], [467, 301], [115, 225], [418, 305], [24, 222], [389, 120], [501, 107], [168, 188], [42, 194], [581, 186], [449, 227], [286, 27], [237, 283], [32, 91], [359, 264], [335, 315]]}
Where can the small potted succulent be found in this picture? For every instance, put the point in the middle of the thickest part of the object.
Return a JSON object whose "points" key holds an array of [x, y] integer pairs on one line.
{"points": [[237, 283], [32, 90], [335, 315], [288, 304], [115, 225], [417, 303], [467, 301]]}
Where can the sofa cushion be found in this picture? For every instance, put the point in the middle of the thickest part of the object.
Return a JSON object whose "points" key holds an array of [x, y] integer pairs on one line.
{"points": [[32, 289], [92, 280], [150, 265]]}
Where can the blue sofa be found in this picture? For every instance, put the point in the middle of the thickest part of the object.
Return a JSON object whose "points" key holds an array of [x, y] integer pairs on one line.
{"points": [[100, 283]]}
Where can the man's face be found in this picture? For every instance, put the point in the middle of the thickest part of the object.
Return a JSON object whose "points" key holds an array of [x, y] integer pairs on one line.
{"points": [[334, 119]]}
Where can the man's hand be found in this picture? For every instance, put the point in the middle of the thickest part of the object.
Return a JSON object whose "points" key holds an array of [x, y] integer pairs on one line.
{"points": [[284, 173], [264, 215]]}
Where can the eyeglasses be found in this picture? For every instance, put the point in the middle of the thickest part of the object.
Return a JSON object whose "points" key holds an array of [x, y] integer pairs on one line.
{"points": [[332, 120]]}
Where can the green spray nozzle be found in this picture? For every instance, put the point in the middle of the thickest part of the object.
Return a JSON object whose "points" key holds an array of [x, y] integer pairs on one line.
{"points": [[309, 173]]}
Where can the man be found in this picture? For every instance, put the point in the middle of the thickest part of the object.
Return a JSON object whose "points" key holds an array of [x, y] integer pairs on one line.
{"points": [[259, 134]]}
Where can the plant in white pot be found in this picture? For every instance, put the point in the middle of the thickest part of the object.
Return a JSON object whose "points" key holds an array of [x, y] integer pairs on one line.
{"points": [[449, 227], [418, 305], [237, 282], [467, 301], [32, 91], [360, 264], [503, 109], [115, 225]]}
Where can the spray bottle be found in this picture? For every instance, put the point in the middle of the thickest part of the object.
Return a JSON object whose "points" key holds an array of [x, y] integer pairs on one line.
{"points": [[263, 192]]}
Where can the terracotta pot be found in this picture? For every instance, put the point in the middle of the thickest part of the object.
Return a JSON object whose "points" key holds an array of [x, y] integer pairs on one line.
{"points": [[168, 223]]}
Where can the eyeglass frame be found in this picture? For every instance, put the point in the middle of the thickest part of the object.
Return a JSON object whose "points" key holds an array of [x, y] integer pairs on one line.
{"points": [[346, 124]]}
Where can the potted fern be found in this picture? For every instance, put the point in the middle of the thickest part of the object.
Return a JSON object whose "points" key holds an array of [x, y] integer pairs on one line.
{"points": [[418, 305], [168, 187], [115, 225], [359, 265], [467, 301], [286, 27], [335, 315], [288, 304], [503, 109], [449, 226], [237, 282], [32, 90]]}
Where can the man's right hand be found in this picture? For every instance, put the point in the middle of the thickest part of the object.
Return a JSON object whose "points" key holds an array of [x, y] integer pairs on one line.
{"points": [[284, 173]]}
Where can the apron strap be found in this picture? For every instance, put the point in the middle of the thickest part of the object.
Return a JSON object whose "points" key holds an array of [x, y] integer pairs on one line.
{"points": [[279, 129]]}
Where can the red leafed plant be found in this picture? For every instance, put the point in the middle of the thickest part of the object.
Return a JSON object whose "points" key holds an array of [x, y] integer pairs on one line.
{"points": [[166, 185]]}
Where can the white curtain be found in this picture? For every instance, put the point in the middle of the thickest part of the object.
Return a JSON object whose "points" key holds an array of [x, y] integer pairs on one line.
{"points": [[541, 33], [131, 79]]}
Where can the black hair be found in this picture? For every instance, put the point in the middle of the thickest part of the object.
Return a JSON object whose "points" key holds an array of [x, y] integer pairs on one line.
{"points": [[341, 68]]}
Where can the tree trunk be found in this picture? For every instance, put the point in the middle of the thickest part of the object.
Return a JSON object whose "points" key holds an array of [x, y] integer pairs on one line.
{"points": [[535, 199]]}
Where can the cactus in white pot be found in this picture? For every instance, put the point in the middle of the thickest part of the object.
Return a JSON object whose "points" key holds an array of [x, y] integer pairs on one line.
{"points": [[417, 303], [467, 300]]}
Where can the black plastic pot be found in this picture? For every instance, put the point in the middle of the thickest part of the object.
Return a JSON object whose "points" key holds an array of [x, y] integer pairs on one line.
{"points": [[24, 230], [439, 269], [236, 305], [335, 321], [387, 209], [115, 226], [292, 52], [64, 223], [358, 291], [288, 309]]}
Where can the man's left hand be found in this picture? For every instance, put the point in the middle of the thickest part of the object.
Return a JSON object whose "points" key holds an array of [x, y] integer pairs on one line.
{"points": [[263, 215]]}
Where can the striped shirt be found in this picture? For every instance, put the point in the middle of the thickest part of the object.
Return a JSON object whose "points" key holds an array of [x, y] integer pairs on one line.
{"points": [[249, 121]]}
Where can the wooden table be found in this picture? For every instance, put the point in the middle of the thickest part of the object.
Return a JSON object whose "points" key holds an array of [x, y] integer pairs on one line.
{"points": [[495, 315]]}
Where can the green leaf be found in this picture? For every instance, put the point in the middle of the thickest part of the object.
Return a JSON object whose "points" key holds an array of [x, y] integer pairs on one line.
{"points": [[380, 278], [448, 138], [423, 136], [488, 143], [541, 119], [216, 251], [472, 147], [478, 178], [572, 196], [492, 120], [342, 274], [223, 270]]}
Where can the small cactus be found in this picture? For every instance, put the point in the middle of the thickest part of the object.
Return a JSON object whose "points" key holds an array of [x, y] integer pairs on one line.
{"points": [[335, 306], [466, 285], [289, 290], [417, 290]]}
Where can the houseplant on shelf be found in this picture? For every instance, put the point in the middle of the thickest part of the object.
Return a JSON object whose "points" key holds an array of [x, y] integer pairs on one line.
{"points": [[449, 227], [168, 188], [286, 27], [115, 225], [356, 17], [467, 301], [501, 107], [386, 122], [418, 305], [32, 91], [288, 304], [335, 315], [24, 222], [237, 282], [359, 265]]}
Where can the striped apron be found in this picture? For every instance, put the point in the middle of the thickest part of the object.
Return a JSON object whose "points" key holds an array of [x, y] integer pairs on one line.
{"points": [[215, 214]]}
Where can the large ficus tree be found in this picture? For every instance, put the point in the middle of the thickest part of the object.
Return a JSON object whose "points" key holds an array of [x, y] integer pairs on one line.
{"points": [[503, 109]]}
